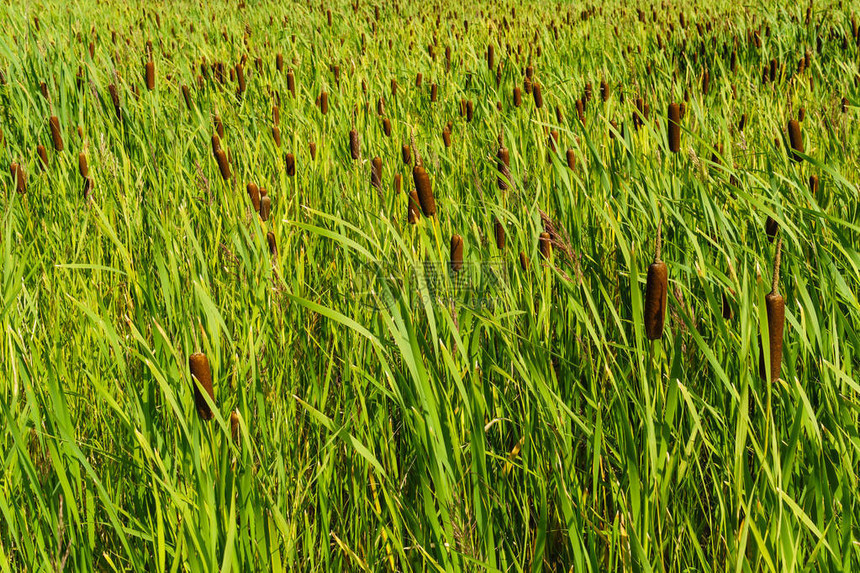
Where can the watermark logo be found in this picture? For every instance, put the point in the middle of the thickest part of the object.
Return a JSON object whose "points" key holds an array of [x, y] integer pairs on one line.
{"points": [[477, 284]]}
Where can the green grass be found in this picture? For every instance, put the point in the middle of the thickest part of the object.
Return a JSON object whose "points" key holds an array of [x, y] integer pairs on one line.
{"points": [[382, 428]]}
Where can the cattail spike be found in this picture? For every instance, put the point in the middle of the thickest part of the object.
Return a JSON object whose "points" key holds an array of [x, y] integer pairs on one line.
{"points": [[776, 263]]}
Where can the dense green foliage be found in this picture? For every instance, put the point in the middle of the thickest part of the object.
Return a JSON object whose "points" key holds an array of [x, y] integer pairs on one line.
{"points": [[523, 424]]}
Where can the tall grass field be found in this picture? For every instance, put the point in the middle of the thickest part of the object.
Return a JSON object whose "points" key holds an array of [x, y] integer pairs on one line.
{"points": [[429, 286]]}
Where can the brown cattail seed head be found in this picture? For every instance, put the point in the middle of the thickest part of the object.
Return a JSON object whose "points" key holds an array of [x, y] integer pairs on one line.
{"points": [[524, 261], [771, 228], [291, 82], [674, 128], [324, 102], [312, 147], [406, 152], [376, 173], [150, 76], [503, 163], [796, 139], [456, 253], [354, 145], [254, 195], [273, 247], [83, 168], [775, 306], [386, 126], [265, 207], [424, 190], [276, 135], [537, 94], [223, 164], [398, 182], [290, 164], [186, 94], [656, 291], [571, 159], [234, 426], [414, 208], [518, 97], [20, 178], [499, 230], [201, 376], [813, 185], [545, 245], [56, 136], [43, 155]]}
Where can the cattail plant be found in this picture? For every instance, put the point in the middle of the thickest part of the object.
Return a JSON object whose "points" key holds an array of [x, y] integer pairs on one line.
{"points": [[56, 136], [88, 187], [674, 128], [413, 208], [545, 246], [386, 126], [273, 247], [524, 261], [265, 205], [254, 195], [571, 159], [433, 93], [456, 253], [771, 228], [290, 163], [186, 94], [291, 82], [796, 140], [324, 102], [276, 135], [604, 90], [312, 147], [20, 178], [240, 79], [201, 377], [656, 291], [406, 152], [775, 306], [223, 164], [354, 144], [813, 185], [376, 173], [518, 97], [553, 141], [537, 94], [83, 168], [503, 164], [43, 156], [150, 75], [114, 96], [499, 231], [234, 426], [398, 181]]}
